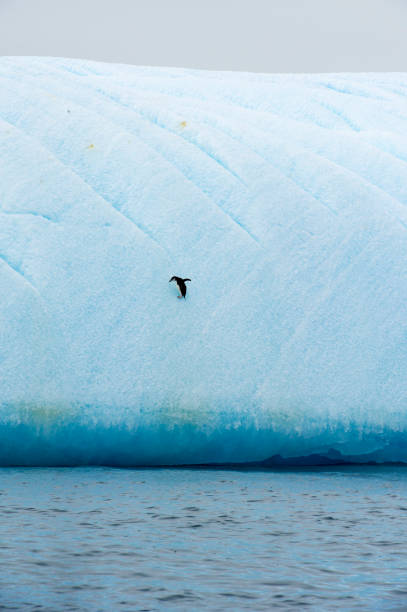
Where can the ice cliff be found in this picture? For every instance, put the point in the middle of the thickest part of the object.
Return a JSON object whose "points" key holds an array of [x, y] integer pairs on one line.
{"points": [[283, 198]]}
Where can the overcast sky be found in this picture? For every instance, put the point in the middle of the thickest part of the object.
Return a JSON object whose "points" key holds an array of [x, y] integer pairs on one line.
{"points": [[257, 35]]}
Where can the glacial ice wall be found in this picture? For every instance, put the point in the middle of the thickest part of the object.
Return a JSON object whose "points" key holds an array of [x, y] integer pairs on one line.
{"points": [[283, 198]]}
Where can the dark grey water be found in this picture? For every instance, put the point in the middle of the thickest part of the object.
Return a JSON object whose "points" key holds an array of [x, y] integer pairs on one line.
{"points": [[106, 539]]}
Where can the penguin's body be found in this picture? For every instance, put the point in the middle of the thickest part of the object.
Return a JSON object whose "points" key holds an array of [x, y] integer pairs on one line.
{"points": [[181, 285]]}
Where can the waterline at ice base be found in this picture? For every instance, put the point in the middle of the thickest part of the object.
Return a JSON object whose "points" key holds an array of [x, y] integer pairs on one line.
{"points": [[282, 197]]}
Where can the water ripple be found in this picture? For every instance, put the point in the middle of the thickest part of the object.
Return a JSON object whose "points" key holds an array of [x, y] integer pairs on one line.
{"points": [[102, 539]]}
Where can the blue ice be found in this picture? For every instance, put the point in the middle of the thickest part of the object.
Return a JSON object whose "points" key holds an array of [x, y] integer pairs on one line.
{"points": [[283, 198]]}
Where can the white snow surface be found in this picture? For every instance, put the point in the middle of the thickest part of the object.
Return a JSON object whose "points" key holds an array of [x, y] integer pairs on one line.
{"points": [[283, 198]]}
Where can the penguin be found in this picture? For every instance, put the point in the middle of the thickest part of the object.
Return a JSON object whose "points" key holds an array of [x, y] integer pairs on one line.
{"points": [[181, 285]]}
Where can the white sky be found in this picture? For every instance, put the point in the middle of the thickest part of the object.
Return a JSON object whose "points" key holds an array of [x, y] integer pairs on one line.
{"points": [[257, 35]]}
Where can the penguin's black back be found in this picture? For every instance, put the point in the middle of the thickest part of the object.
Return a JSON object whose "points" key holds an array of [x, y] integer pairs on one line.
{"points": [[181, 284]]}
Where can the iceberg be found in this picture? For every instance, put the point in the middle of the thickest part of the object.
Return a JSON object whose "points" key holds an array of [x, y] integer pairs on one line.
{"points": [[283, 198]]}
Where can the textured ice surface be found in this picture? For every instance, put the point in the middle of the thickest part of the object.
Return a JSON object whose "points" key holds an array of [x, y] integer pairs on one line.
{"points": [[283, 198]]}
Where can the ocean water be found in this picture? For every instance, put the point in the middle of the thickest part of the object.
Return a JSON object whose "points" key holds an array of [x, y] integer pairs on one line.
{"points": [[190, 539]]}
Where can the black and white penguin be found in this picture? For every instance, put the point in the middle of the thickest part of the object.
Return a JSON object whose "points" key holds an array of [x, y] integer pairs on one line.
{"points": [[181, 285]]}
